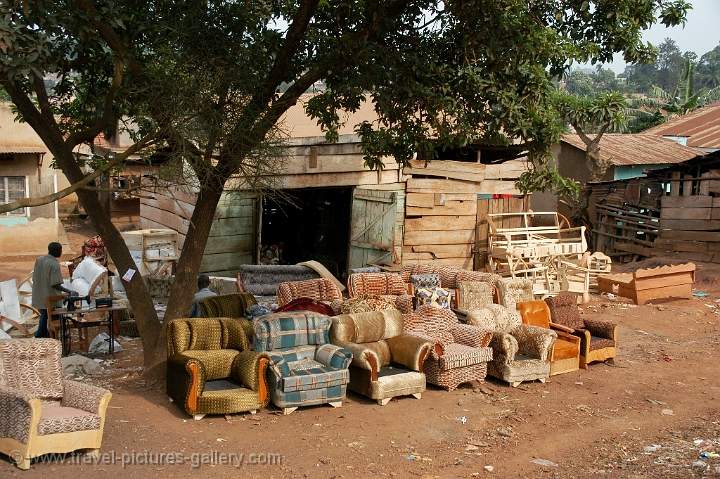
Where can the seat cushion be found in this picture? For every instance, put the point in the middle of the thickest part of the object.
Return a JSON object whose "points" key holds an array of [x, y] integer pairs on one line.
{"points": [[226, 397], [55, 419], [396, 381], [307, 374], [564, 349], [599, 343], [458, 355], [217, 362]]}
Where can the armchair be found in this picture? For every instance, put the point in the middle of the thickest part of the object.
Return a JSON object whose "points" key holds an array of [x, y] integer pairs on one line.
{"points": [[211, 370], [234, 306], [565, 354], [305, 369], [386, 363], [462, 351], [319, 289], [514, 290], [40, 412], [598, 338], [520, 352], [387, 286]]}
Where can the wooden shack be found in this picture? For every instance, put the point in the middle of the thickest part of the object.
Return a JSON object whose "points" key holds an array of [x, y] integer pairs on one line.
{"points": [[326, 205]]}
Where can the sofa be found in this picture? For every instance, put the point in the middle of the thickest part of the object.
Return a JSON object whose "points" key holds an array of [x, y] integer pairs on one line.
{"points": [[565, 354], [598, 338], [462, 351], [262, 280], [40, 411], [211, 370], [386, 362], [305, 369], [318, 289], [235, 305], [520, 352]]}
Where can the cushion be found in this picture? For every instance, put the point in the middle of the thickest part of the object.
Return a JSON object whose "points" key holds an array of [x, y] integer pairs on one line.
{"points": [[217, 362], [430, 280], [458, 355], [88, 271], [374, 284], [32, 366], [564, 349], [437, 297], [599, 343], [535, 313], [205, 335], [55, 419], [308, 374], [564, 310], [366, 304], [291, 329], [411, 269], [320, 289], [475, 294]]}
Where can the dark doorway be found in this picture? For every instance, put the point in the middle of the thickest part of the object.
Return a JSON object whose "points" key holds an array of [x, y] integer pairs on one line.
{"points": [[306, 224]]}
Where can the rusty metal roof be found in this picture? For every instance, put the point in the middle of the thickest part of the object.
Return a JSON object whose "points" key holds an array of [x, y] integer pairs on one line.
{"points": [[637, 149], [701, 127]]}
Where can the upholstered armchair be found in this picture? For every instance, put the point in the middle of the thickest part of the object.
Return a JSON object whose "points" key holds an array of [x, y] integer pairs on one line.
{"points": [[233, 305], [211, 370], [514, 290], [471, 295], [386, 363], [520, 352], [461, 353], [40, 412], [565, 354], [319, 289], [305, 369], [387, 286], [598, 338]]}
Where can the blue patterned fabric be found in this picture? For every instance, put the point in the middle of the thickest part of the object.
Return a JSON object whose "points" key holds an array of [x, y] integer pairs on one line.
{"points": [[437, 297], [305, 368], [430, 280]]}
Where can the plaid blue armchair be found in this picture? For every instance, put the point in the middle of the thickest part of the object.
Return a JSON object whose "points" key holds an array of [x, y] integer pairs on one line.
{"points": [[305, 369]]}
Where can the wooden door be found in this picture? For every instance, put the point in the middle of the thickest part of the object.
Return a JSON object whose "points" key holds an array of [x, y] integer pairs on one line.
{"points": [[375, 227]]}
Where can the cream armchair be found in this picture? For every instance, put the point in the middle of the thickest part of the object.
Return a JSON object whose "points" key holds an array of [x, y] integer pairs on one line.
{"points": [[40, 412]]}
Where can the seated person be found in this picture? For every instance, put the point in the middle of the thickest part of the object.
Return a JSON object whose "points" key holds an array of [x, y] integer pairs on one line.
{"points": [[204, 291]]}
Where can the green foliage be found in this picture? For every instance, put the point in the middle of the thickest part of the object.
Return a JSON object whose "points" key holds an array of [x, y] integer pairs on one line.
{"points": [[591, 83], [547, 178], [599, 113]]}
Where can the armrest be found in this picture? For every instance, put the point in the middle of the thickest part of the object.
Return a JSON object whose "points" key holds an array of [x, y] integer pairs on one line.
{"points": [[409, 350], [470, 335], [277, 365], [85, 396], [25, 413], [362, 356], [600, 328], [34, 310], [185, 381], [245, 369], [333, 356], [568, 337], [560, 327], [534, 341], [504, 347]]}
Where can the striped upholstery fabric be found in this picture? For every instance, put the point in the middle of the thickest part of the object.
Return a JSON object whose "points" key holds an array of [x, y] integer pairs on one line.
{"points": [[387, 286], [305, 368], [465, 350], [320, 289]]}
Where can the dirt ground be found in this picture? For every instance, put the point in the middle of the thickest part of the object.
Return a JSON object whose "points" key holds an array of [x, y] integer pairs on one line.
{"points": [[652, 414]]}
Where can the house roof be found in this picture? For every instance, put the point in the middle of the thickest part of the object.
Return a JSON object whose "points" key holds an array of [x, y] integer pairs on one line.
{"points": [[637, 149], [16, 137], [701, 127]]}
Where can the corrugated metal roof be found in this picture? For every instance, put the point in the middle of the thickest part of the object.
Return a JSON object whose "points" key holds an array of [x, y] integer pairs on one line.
{"points": [[637, 149], [21, 149], [701, 127]]}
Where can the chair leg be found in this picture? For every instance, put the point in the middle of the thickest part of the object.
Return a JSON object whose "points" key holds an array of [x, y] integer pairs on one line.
{"points": [[288, 410], [383, 402], [610, 361], [336, 404], [197, 417], [22, 463], [542, 380], [515, 384], [417, 395], [253, 411]]}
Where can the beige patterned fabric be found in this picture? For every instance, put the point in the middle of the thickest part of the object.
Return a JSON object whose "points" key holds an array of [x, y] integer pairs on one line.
{"points": [[15, 414], [365, 305], [414, 269], [515, 290], [56, 419], [82, 396], [33, 366], [474, 294], [320, 289]]}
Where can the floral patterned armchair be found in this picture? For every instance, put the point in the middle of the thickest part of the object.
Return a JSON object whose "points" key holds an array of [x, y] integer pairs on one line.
{"points": [[462, 353], [211, 370], [40, 412], [387, 286], [598, 338], [305, 369]]}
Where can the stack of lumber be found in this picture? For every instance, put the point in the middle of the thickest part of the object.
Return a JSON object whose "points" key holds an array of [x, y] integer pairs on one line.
{"points": [[690, 227]]}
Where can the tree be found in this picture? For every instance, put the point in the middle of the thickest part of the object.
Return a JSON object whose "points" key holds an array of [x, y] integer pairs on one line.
{"points": [[206, 83], [670, 64], [708, 69]]}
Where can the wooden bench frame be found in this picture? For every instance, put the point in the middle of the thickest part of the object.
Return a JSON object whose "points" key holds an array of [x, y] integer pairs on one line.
{"points": [[645, 285]]}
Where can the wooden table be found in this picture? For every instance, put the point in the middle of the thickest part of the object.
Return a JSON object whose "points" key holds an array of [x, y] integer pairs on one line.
{"points": [[64, 315]]}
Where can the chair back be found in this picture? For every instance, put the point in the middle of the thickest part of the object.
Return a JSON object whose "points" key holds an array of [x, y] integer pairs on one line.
{"points": [[514, 290], [535, 313], [474, 294], [233, 305], [319, 289], [32, 366], [368, 327], [376, 284], [564, 310], [9, 300], [432, 322], [495, 317], [289, 330], [194, 334]]}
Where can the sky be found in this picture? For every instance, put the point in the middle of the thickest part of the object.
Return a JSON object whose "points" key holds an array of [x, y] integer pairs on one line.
{"points": [[700, 34]]}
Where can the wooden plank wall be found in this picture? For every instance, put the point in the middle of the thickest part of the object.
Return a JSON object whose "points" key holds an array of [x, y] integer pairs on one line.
{"points": [[368, 229], [691, 227]]}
